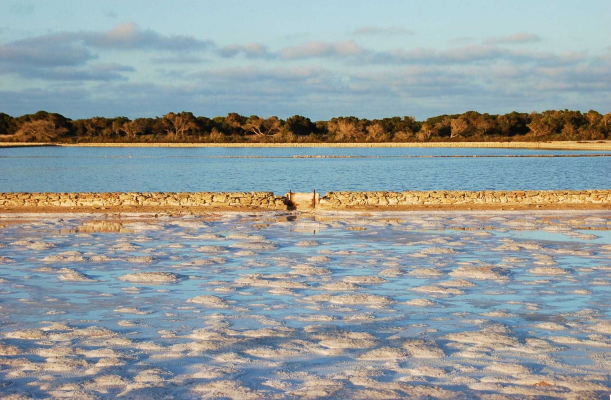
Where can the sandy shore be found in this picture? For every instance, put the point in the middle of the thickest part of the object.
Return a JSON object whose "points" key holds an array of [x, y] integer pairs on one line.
{"points": [[589, 145]]}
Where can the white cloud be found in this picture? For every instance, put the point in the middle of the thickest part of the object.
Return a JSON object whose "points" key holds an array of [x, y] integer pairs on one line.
{"points": [[127, 36], [44, 51], [56, 56], [95, 72], [382, 31], [318, 79], [516, 38], [250, 50], [252, 74], [322, 49], [179, 59]]}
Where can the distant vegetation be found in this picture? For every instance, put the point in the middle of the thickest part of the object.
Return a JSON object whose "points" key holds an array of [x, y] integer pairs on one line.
{"points": [[235, 128]]}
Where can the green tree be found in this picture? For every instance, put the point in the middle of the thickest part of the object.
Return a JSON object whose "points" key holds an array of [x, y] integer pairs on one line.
{"points": [[300, 126], [8, 125]]}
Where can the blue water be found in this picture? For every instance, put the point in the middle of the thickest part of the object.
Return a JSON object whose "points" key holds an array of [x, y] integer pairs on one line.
{"points": [[100, 169], [154, 329]]}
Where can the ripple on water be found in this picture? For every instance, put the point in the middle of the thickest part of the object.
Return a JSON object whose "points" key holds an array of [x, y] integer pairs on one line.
{"points": [[264, 306]]}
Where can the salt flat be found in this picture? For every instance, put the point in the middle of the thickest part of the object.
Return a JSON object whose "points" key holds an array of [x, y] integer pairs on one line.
{"points": [[294, 305]]}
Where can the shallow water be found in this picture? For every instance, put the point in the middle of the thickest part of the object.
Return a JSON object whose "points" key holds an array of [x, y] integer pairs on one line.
{"points": [[66, 169], [284, 305]]}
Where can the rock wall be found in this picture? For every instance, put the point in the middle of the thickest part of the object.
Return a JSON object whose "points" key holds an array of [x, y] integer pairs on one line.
{"points": [[331, 201], [339, 200], [255, 200]]}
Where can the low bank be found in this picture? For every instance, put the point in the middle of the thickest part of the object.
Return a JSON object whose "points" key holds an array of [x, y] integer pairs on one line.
{"points": [[137, 201], [559, 145], [461, 200], [200, 202]]}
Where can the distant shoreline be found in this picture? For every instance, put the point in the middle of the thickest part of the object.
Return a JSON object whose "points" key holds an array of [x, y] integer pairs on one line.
{"points": [[560, 145]]}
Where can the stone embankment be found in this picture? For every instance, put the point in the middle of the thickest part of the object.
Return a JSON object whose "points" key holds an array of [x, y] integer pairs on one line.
{"points": [[265, 201], [449, 198], [238, 201]]}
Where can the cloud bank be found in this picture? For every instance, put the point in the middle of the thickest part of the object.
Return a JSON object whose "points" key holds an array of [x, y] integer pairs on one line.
{"points": [[127, 70]]}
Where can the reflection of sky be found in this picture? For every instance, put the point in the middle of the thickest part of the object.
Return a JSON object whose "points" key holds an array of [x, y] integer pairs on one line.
{"points": [[389, 241], [66, 169], [382, 244], [602, 237]]}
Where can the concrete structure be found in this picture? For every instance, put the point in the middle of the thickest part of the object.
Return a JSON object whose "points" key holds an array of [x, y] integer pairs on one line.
{"points": [[303, 201]]}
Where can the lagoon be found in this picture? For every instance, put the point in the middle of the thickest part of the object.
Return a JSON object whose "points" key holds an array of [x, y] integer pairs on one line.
{"points": [[104, 169]]}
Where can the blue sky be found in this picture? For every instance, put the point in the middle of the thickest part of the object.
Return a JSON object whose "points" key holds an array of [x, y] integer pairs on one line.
{"points": [[316, 58]]}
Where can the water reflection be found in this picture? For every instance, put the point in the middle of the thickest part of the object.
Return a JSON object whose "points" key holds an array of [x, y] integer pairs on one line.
{"points": [[64, 169]]}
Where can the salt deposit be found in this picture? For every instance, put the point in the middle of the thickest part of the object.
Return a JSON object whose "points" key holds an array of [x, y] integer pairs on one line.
{"points": [[425, 272], [481, 272], [420, 303], [552, 271], [423, 349], [209, 300], [152, 277], [408, 305], [364, 280], [68, 274], [351, 299]]}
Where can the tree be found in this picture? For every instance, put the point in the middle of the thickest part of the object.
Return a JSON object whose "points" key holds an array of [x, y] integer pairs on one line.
{"points": [[255, 125], [569, 132], [485, 124], [438, 126], [233, 123], [471, 125], [401, 129], [376, 132], [300, 126], [40, 131], [132, 128], [116, 127], [261, 126], [180, 124], [427, 131], [593, 117], [458, 127], [217, 136], [513, 123], [545, 124], [345, 129], [606, 120], [8, 126], [94, 126]]}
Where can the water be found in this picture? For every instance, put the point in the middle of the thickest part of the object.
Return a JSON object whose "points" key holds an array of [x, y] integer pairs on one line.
{"points": [[410, 303], [100, 169]]}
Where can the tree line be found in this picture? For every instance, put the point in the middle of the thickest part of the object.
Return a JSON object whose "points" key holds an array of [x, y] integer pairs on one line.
{"points": [[235, 128]]}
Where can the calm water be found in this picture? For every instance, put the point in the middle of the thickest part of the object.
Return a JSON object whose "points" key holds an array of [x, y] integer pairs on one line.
{"points": [[413, 303], [65, 169]]}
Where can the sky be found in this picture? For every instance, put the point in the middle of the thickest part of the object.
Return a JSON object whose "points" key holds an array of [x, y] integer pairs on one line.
{"points": [[320, 59]]}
